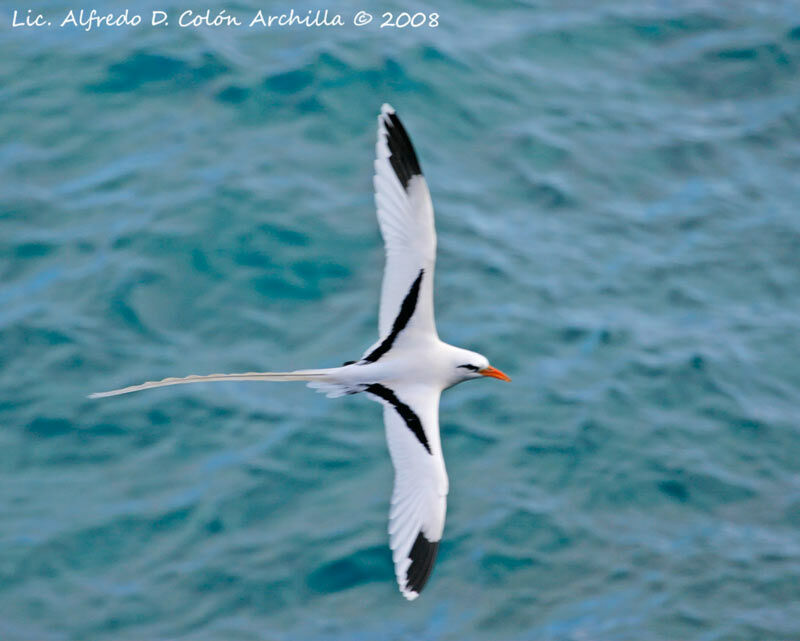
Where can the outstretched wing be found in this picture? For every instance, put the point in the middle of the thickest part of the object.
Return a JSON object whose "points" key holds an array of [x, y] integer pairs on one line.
{"points": [[419, 499], [405, 216]]}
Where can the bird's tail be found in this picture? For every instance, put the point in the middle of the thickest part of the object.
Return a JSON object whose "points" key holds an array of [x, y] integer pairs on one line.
{"points": [[315, 375]]}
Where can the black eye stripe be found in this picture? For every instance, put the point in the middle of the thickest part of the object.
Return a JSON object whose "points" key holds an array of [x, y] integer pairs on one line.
{"points": [[471, 368]]}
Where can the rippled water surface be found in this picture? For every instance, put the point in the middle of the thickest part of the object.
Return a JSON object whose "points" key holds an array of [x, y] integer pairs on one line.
{"points": [[617, 191]]}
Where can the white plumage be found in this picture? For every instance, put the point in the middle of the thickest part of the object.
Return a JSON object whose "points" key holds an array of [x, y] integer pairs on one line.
{"points": [[407, 369], [406, 221]]}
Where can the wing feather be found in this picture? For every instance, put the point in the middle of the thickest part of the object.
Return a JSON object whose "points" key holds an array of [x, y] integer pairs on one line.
{"points": [[405, 216], [419, 497]]}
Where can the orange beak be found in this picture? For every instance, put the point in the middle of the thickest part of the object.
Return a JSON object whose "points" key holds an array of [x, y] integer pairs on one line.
{"points": [[493, 373]]}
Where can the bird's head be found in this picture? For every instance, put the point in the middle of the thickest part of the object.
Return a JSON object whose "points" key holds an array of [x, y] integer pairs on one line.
{"points": [[468, 365]]}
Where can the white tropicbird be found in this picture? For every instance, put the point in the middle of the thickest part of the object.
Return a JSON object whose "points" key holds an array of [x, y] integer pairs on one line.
{"points": [[409, 366]]}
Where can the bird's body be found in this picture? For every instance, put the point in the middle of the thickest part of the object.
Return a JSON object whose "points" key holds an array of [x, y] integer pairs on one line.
{"points": [[407, 369]]}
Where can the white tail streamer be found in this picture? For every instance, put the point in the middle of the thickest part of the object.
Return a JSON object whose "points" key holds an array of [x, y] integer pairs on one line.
{"points": [[321, 375]]}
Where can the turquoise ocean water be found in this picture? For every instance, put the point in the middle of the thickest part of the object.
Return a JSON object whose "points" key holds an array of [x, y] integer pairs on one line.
{"points": [[616, 187]]}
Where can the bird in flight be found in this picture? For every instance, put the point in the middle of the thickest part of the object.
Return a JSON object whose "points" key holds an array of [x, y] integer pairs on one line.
{"points": [[407, 369]]}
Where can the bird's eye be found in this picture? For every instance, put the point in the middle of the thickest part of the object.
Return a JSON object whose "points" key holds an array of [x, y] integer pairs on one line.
{"points": [[471, 368]]}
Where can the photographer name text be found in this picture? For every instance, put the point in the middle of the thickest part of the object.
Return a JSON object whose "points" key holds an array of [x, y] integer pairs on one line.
{"points": [[91, 19]]}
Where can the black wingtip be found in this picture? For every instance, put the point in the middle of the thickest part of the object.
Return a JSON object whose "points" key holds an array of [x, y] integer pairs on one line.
{"points": [[403, 158], [423, 555]]}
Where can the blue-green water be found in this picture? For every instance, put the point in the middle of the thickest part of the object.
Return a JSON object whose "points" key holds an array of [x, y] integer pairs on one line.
{"points": [[617, 191]]}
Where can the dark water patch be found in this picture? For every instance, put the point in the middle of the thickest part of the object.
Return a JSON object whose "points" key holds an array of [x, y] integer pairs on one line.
{"points": [[675, 383], [736, 422], [794, 33], [144, 69], [529, 530], [43, 427], [538, 154], [257, 504], [33, 337], [689, 156], [703, 490], [122, 242], [771, 134], [552, 462], [698, 362], [363, 566], [272, 473], [94, 547], [32, 250], [792, 513], [289, 82], [591, 435], [130, 615], [547, 446], [233, 94], [157, 417], [326, 70], [389, 76], [591, 337], [208, 580], [168, 521], [518, 611], [101, 429], [329, 64], [737, 54], [309, 105], [556, 397], [398, 77], [201, 263], [126, 315], [214, 526], [538, 193], [252, 257], [431, 54], [285, 235], [674, 489], [323, 454], [498, 566], [314, 272], [547, 195], [769, 53], [18, 208], [666, 29], [474, 440], [732, 72], [278, 287]]}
